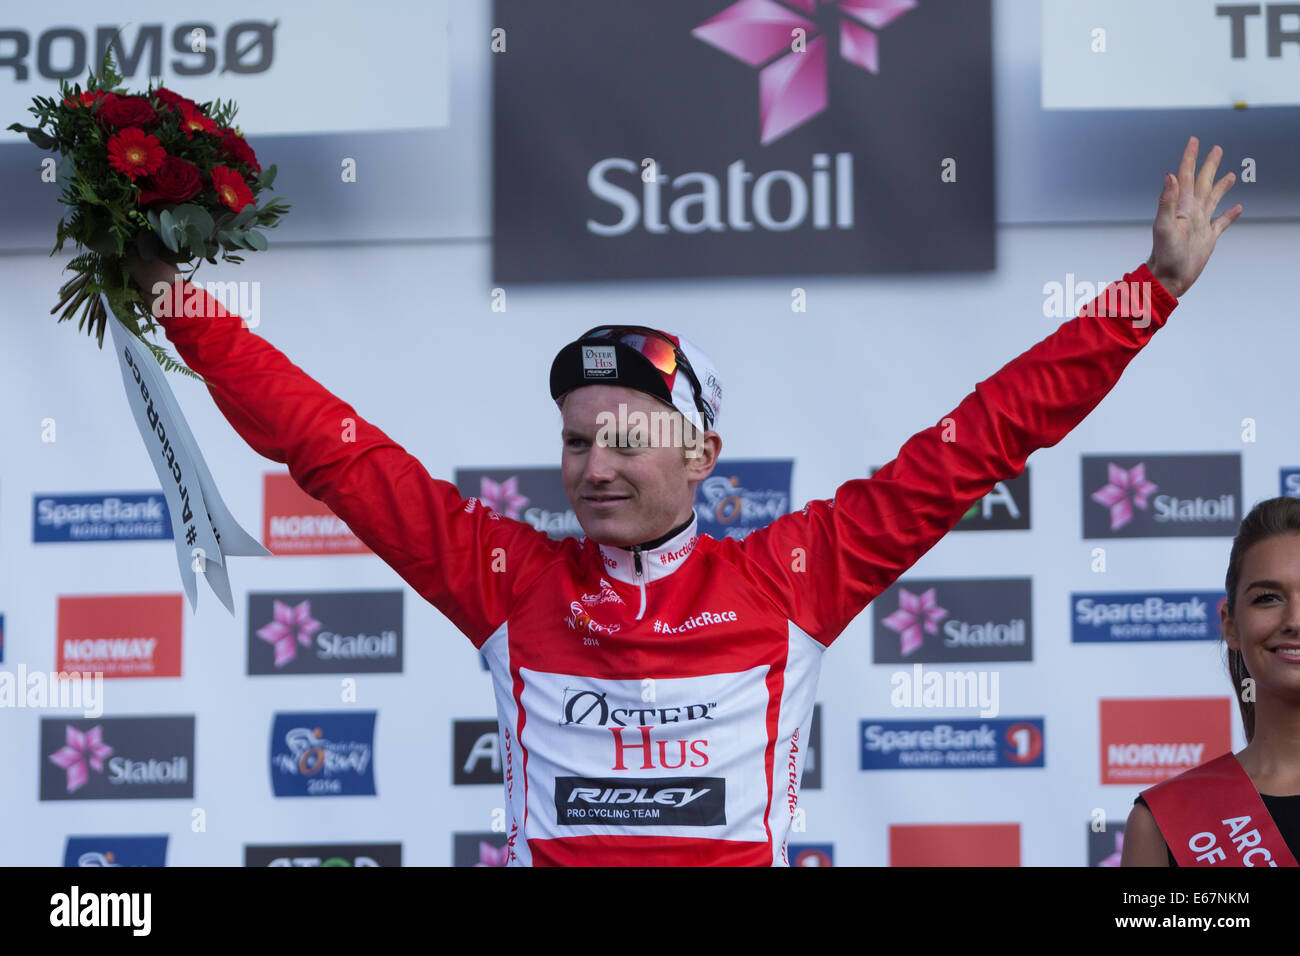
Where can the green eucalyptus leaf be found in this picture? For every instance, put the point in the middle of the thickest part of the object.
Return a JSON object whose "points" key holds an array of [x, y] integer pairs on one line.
{"points": [[255, 240]]}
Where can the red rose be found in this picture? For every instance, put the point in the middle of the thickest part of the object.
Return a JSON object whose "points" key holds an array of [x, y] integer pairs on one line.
{"points": [[230, 186], [192, 120], [176, 181], [88, 98], [126, 110], [237, 149], [134, 153], [173, 100]]}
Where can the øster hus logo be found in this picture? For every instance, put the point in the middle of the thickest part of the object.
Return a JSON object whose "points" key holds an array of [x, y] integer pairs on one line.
{"points": [[792, 86]]}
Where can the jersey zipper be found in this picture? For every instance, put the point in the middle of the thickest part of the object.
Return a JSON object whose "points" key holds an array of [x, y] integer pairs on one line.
{"points": [[640, 578]]}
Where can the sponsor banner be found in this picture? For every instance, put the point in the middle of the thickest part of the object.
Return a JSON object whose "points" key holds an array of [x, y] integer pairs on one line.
{"points": [[954, 844], [1290, 483], [1107, 617], [812, 768], [475, 752], [325, 632], [1145, 741], [1005, 508], [110, 516], [952, 744], [115, 851], [479, 849], [819, 116], [811, 854], [1105, 847], [743, 495], [120, 635], [293, 522], [1094, 57], [920, 620], [117, 758], [256, 53], [322, 854], [641, 801], [323, 754], [532, 495], [1161, 496]]}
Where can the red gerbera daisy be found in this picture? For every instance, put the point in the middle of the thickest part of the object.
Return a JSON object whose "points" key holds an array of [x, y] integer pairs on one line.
{"points": [[230, 186], [134, 153], [193, 121]]}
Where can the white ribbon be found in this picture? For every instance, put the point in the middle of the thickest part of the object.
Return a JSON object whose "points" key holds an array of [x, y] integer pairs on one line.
{"points": [[204, 530]]}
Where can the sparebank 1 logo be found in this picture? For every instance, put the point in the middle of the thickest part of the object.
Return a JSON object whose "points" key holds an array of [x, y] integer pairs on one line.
{"points": [[1160, 496], [792, 86]]}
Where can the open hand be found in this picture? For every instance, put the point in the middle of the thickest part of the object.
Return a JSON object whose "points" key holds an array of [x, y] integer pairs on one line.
{"points": [[1183, 231]]}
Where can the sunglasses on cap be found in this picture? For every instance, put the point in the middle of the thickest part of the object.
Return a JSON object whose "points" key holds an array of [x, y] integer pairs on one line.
{"points": [[661, 352]]}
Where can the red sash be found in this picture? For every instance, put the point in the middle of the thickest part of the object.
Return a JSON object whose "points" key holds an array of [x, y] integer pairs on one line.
{"points": [[1212, 815]]}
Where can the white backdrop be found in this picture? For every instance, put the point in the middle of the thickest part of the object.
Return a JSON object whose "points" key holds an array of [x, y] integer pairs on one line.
{"points": [[405, 333]]}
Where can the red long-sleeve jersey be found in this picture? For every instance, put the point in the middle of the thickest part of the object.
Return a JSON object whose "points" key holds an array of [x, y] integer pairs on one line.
{"points": [[654, 705]]}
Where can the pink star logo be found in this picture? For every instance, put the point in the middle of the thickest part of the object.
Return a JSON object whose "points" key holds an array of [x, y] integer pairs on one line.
{"points": [[78, 751], [291, 626], [503, 498], [792, 87], [488, 855], [915, 614], [1126, 489]]}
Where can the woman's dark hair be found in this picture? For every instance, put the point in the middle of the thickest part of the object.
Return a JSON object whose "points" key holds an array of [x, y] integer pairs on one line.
{"points": [[1270, 518]]}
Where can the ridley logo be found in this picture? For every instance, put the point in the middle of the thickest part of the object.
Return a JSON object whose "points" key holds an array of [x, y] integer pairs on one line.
{"points": [[792, 86], [668, 796]]}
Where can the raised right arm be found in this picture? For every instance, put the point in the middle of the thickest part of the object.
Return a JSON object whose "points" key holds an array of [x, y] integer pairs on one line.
{"points": [[439, 542]]}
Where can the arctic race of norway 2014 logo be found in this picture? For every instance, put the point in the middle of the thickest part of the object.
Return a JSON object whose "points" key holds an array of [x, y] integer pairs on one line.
{"points": [[818, 115], [323, 754]]}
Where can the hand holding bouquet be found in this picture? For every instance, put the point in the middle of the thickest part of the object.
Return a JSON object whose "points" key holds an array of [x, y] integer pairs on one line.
{"points": [[147, 176]]}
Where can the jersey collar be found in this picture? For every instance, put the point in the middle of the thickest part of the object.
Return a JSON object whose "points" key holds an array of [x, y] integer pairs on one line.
{"points": [[656, 563]]}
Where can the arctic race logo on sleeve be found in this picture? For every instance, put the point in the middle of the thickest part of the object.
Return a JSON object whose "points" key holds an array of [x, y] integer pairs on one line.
{"points": [[817, 117], [116, 851], [1161, 496], [117, 758], [325, 632], [952, 744], [293, 522], [119, 516], [120, 635], [323, 754]]}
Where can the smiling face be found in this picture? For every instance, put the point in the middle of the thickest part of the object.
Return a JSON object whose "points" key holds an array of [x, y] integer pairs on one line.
{"points": [[639, 486], [1266, 625]]}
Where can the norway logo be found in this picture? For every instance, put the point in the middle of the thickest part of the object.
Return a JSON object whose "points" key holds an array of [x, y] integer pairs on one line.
{"points": [[792, 86]]}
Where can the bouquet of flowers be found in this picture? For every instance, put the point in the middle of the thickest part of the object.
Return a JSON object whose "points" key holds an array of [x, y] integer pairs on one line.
{"points": [[154, 174]]}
